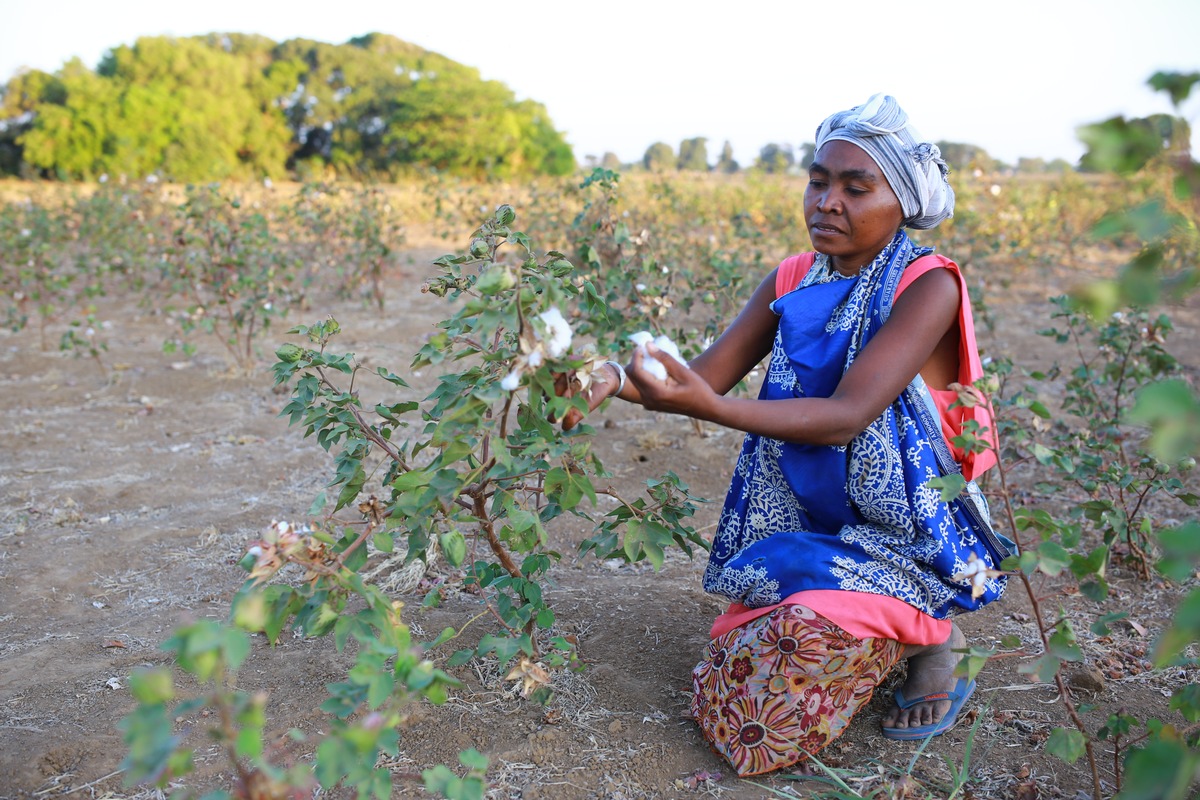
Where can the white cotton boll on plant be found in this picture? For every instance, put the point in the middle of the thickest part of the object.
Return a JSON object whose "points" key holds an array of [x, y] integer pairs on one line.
{"points": [[558, 332], [511, 381], [663, 343]]}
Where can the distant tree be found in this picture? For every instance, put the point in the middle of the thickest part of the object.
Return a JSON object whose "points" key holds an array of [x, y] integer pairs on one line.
{"points": [[542, 147], [610, 161], [775, 158], [659, 157], [726, 162], [693, 155], [808, 153], [1031, 166], [960, 156], [1059, 165]]}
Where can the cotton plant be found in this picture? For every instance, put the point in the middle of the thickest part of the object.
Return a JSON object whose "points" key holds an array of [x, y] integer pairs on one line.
{"points": [[549, 336], [477, 469], [390, 673]]}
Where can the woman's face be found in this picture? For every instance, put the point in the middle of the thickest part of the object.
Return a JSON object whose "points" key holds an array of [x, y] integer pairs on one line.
{"points": [[851, 211]]}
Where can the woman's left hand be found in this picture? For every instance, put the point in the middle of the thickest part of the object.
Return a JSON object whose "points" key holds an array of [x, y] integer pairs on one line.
{"points": [[684, 391]]}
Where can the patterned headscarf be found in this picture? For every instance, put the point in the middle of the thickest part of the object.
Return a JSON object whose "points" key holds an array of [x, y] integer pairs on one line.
{"points": [[913, 168]]}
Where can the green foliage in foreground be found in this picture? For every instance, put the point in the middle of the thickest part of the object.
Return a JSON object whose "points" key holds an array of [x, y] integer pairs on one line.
{"points": [[235, 106]]}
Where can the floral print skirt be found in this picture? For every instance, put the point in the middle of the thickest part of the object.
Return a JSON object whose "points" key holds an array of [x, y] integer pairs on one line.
{"points": [[784, 684]]}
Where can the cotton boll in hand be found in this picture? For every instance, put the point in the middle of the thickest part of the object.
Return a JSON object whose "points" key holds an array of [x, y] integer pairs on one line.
{"points": [[663, 343]]}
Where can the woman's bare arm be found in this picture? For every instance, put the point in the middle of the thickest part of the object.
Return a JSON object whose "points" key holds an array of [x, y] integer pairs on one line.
{"points": [[889, 362]]}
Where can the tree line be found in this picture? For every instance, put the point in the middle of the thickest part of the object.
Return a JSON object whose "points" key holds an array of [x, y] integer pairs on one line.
{"points": [[1135, 140], [243, 106]]}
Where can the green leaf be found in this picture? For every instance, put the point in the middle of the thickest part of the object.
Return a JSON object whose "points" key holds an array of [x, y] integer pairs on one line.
{"points": [[446, 635], [249, 742], [1052, 558], [1066, 743], [1178, 85], [380, 688], [1100, 626], [654, 551], [634, 534], [1094, 563], [413, 479], [1184, 630], [151, 746], [1186, 700], [973, 661], [1044, 668], [1163, 769], [283, 601], [1094, 590], [505, 647], [393, 379], [474, 760], [460, 657], [1043, 454], [1181, 551], [151, 685], [949, 487], [320, 621], [454, 547], [384, 541], [1172, 410], [1063, 644], [352, 488]]}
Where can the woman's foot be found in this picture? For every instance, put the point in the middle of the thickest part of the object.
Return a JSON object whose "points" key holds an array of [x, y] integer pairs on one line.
{"points": [[930, 671]]}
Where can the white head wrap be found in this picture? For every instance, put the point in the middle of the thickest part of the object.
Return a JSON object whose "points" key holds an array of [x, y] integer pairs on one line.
{"points": [[913, 168]]}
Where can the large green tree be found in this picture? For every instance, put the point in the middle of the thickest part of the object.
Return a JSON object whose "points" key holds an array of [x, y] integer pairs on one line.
{"points": [[234, 105]]}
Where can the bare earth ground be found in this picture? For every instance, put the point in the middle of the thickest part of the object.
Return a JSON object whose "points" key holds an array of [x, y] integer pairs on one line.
{"points": [[124, 507]]}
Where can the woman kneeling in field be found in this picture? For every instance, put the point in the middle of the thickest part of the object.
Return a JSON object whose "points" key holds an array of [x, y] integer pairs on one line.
{"points": [[838, 558]]}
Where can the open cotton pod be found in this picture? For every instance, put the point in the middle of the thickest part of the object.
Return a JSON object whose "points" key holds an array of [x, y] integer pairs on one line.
{"points": [[663, 343]]}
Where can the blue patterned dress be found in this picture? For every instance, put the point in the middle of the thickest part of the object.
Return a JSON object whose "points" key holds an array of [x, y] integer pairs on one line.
{"points": [[862, 517]]}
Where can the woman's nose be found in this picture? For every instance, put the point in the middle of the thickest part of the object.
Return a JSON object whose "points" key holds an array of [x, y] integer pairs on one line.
{"points": [[827, 202]]}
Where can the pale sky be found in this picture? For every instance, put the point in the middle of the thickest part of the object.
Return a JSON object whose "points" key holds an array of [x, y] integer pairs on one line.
{"points": [[1015, 77]]}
